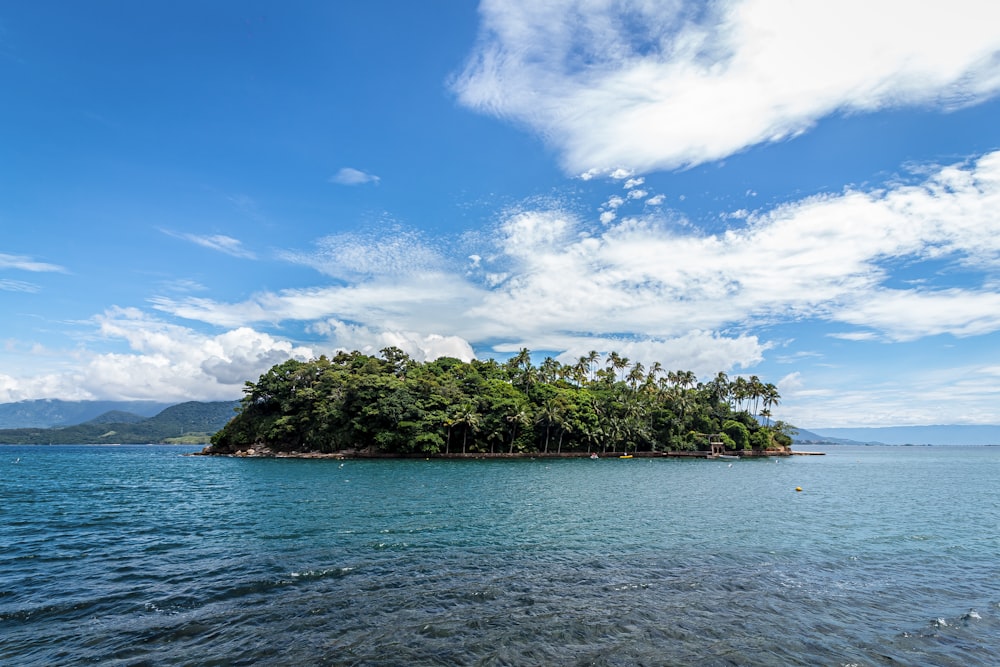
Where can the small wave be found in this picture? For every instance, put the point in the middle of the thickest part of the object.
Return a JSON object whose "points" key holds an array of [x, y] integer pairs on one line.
{"points": [[320, 574]]}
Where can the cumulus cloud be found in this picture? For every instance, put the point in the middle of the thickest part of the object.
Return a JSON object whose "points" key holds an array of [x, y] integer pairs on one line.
{"points": [[170, 361], [351, 176], [652, 289], [159, 361], [619, 88], [369, 340]]}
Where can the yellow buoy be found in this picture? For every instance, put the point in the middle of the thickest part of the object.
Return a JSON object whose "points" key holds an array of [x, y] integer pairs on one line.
{"points": [[798, 488]]}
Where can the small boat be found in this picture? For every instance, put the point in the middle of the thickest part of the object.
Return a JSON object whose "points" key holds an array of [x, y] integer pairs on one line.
{"points": [[728, 457], [625, 456], [593, 455]]}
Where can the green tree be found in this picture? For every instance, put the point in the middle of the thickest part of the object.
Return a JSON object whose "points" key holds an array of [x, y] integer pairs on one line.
{"points": [[738, 432]]}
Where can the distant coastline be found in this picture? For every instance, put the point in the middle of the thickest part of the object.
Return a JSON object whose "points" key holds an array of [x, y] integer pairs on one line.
{"points": [[940, 434]]}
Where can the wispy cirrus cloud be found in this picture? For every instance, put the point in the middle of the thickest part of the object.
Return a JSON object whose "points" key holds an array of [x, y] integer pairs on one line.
{"points": [[384, 252], [218, 242], [25, 263], [647, 86], [352, 176], [18, 286]]}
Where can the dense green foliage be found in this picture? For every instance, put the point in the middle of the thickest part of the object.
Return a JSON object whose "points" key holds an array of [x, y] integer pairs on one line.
{"points": [[191, 422], [393, 405]]}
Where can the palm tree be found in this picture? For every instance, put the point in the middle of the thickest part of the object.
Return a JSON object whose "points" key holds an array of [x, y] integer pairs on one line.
{"points": [[719, 386], [553, 413], [686, 379], [739, 392], [618, 363], [580, 371], [592, 360], [755, 390], [548, 371], [655, 369], [470, 419], [770, 397], [636, 375], [521, 369], [518, 417]]}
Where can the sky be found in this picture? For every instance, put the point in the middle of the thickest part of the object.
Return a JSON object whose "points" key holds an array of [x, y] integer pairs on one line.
{"points": [[191, 192]]}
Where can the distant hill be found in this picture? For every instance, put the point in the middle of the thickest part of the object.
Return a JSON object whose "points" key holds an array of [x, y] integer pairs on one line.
{"points": [[192, 422], [54, 412], [916, 435], [804, 437], [116, 417]]}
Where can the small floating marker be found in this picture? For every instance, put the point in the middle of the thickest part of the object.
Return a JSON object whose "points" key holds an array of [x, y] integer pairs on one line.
{"points": [[798, 488]]}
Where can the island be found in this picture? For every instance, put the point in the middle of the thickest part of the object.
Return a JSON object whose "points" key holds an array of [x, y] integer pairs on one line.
{"points": [[390, 405]]}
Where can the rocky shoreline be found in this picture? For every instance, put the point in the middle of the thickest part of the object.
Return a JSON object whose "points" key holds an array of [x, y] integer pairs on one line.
{"points": [[265, 452]]}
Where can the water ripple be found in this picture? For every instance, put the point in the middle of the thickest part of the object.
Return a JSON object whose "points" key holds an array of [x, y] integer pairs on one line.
{"points": [[138, 556]]}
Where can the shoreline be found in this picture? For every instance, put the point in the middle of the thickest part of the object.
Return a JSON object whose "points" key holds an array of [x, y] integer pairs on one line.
{"points": [[349, 454]]}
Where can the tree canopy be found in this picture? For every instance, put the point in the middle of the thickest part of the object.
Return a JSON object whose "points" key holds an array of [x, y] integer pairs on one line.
{"points": [[393, 405]]}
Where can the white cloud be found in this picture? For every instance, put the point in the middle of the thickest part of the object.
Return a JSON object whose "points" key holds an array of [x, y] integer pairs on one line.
{"points": [[614, 202], [917, 395], [219, 242], [351, 176], [653, 289], [18, 286], [656, 200], [908, 315], [392, 252], [855, 335], [23, 263], [160, 361], [421, 347], [657, 85], [183, 285]]}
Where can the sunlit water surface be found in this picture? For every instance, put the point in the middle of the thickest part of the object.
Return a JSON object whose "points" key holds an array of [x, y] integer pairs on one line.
{"points": [[141, 555]]}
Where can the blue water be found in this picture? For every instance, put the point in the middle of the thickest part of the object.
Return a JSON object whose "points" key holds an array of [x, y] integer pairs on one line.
{"points": [[144, 556]]}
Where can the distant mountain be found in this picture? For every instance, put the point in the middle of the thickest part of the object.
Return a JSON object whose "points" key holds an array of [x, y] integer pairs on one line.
{"points": [[54, 412], [804, 437], [191, 422], [194, 416], [913, 435], [116, 417]]}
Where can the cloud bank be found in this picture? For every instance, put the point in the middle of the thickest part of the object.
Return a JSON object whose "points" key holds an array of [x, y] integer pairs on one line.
{"points": [[552, 281], [660, 85], [162, 361], [651, 286]]}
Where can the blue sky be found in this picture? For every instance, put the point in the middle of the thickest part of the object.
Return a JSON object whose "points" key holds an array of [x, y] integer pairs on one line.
{"points": [[192, 192]]}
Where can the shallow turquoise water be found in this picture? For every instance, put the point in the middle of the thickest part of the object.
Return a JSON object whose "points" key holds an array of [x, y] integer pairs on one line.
{"points": [[140, 555]]}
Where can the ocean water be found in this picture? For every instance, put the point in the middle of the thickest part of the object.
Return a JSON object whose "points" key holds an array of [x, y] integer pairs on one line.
{"points": [[144, 556]]}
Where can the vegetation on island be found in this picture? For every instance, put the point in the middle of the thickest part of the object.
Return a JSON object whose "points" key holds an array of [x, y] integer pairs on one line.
{"points": [[392, 405], [192, 422]]}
